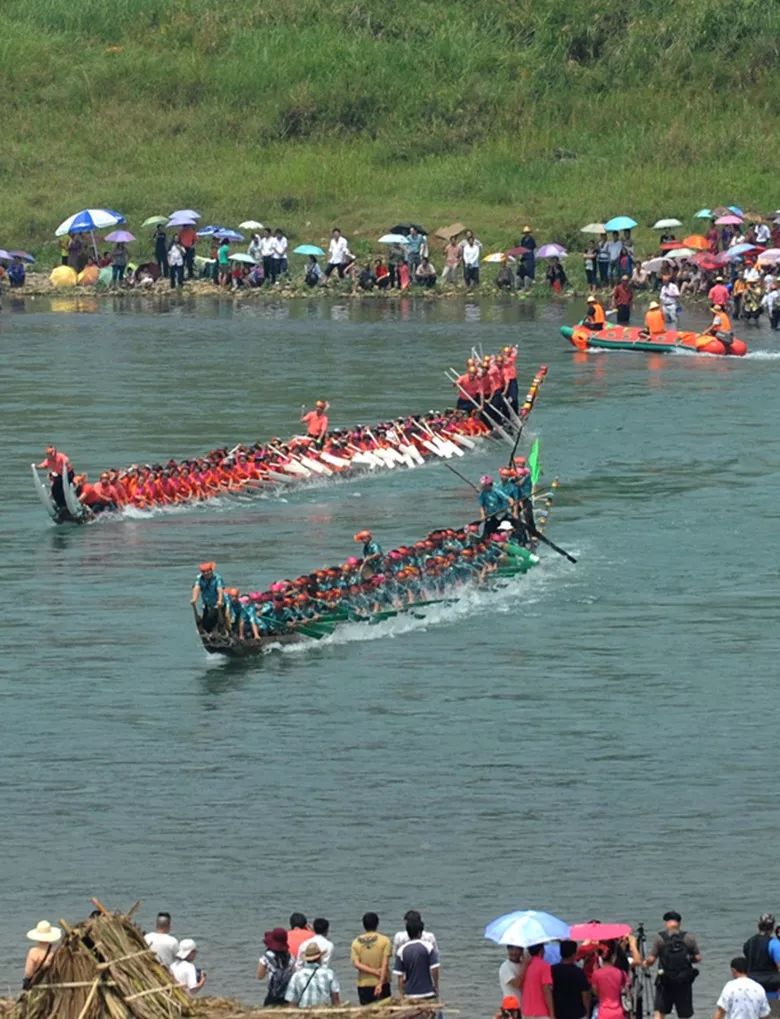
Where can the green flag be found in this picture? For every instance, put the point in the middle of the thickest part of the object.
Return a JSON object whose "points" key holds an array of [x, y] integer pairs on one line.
{"points": [[534, 464]]}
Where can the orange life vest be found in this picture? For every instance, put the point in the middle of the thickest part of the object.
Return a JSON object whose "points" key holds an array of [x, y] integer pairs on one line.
{"points": [[597, 314], [654, 322]]}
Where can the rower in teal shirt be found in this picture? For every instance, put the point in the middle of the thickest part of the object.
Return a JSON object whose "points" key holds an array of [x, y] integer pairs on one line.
{"points": [[493, 504]]}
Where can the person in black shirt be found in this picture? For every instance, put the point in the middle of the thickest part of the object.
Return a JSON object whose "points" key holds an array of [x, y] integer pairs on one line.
{"points": [[571, 990], [761, 965]]}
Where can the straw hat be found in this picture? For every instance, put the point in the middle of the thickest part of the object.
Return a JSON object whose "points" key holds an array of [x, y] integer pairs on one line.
{"points": [[312, 952], [652, 305], [44, 931]]}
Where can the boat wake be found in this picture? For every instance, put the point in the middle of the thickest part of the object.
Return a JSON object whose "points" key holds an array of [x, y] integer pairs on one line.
{"points": [[763, 355], [468, 604]]}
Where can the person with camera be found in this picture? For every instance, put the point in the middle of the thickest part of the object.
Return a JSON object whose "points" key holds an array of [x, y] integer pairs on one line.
{"points": [[676, 952]]}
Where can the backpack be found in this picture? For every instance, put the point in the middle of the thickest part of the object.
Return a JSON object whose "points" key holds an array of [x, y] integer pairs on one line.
{"points": [[279, 978], [675, 958]]}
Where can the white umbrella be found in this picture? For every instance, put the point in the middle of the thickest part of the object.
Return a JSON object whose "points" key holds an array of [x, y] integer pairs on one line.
{"points": [[250, 224], [662, 224], [526, 927], [185, 212], [653, 264], [241, 256], [593, 228], [680, 253], [89, 220], [393, 239]]}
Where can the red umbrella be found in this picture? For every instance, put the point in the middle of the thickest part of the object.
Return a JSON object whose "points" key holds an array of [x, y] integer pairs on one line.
{"points": [[670, 245], [519, 250], [599, 931], [705, 260]]}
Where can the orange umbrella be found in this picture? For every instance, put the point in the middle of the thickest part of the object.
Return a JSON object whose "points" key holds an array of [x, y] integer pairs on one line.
{"points": [[696, 241]]}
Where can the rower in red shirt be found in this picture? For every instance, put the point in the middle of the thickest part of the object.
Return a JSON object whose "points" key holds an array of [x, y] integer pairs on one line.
{"points": [[316, 422]]}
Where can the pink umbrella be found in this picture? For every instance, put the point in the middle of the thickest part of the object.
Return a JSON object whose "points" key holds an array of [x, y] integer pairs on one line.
{"points": [[729, 220], [552, 251], [599, 931], [120, 237], [770, 255], [519, 250]]}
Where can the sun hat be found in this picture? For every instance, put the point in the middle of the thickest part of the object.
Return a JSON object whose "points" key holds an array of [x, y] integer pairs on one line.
{"points": [[652, 305], [591, 299], [44, 931], [276, 939], [510, 1003], [312, 951], [186, 945], [505, 525], [526, 227]]}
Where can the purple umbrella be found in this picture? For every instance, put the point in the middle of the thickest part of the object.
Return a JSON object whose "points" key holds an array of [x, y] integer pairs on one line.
{"points": [[551, 251], [24, 255], [4, 254], [120, 237]]}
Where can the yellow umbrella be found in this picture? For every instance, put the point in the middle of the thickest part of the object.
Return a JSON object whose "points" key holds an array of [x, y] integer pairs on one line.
{"points": [[497, 256], [88, 276], [63, 276]]}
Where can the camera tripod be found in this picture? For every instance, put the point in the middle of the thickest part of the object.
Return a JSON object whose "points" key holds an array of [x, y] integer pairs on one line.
{"points": [[642, 984]]}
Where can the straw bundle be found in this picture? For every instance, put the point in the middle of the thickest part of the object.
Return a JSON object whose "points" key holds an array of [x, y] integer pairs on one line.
{"points": [[103, 970]]}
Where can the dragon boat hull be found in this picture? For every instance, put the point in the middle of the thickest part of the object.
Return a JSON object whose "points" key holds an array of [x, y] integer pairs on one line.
{"points": [[629, 338]]}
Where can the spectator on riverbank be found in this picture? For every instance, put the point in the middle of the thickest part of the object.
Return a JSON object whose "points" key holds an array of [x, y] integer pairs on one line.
{"points": [[425, 273], [254, 249], [75, 251], [511, 970], [571, 990], [16, 272], [602, 260], [183, 968], [741, 997], [279, 252], [670, 301], [416, 249], [537, 985], [451, 252], [159, 239], [276, 963], [188, 238], [176, 255], [526, 267], [401, 937], [676, 952], [370, 955], [396, 259], [417, 964], [320, 938], [313, 274], [365, 279], [315, 984], [161, 941], [338, 254], [589, 264], [267, 254], [299, 932], [556, 276], [223, 262], [615, 247], [471, 252], [39, 957], [381, 274]]}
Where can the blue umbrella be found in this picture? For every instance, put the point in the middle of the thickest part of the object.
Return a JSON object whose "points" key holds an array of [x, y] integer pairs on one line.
{"points": [[24, 255], [736, 252], [736, 210], [208, 231], [89, 220], [703, 214], [526, 927], [220, 231], [620, 223], [308, 249]]}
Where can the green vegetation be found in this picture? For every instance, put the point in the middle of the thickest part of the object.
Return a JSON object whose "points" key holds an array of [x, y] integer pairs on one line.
{"points": [[314, 112]]}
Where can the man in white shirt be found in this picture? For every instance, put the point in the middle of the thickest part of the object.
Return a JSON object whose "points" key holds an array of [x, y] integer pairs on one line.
{"points": [[183, 967], [338, 254], [279, 253], [471, 251], [510, 971], [741, 997], [771, 304], [401, 937], [161, 941], [762, 234], [267, 254], [670, 297], [321, 928]]}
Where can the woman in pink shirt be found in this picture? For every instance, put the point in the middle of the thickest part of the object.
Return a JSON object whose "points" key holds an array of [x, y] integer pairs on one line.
{"points": [[608, 983]]}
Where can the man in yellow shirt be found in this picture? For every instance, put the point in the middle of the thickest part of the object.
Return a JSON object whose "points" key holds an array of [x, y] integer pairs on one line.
{"points": [[370, 956]]}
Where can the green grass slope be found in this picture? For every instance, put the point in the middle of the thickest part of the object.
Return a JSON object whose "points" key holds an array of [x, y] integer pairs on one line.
{"points": [[315, 112]]}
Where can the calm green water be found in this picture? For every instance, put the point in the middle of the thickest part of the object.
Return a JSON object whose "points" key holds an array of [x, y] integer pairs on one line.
{"points": [[592, 742]]}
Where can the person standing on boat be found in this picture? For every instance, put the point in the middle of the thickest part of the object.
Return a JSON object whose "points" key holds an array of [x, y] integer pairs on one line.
{"points": [[58, 465], [316, 422], [493, 505], [373, 556], [595, 317], [210, 588], [622, 296]]}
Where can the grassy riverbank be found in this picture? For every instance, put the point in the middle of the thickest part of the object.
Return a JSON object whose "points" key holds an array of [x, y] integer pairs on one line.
{"points": [[309, 113]]}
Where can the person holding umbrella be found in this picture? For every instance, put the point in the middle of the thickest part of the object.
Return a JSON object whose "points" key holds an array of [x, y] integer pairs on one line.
{"points": [[526, 268], [119, 259], [176, 262]]}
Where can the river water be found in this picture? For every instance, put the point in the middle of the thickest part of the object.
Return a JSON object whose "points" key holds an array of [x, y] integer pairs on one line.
{"points": [[589, 741]]}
